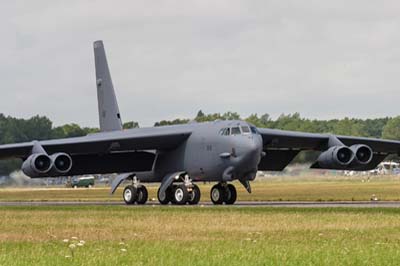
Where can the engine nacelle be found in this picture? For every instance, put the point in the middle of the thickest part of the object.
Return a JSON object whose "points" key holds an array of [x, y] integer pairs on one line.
{"points": [[62, 163], [362, 154], [38, 164], [336, 157]]}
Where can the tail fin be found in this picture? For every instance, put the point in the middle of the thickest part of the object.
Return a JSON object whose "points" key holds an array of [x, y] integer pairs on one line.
{"points": [[109, 116]]}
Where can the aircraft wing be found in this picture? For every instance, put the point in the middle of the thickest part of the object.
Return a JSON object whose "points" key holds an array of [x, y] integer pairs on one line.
{"points": [[102, 143], [282, 146]]}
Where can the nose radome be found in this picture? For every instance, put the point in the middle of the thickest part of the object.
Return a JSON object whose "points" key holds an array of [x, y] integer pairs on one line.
{"points": [[253, 150]]}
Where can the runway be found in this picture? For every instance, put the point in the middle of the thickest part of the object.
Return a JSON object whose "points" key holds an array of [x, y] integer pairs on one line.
{"points": [[292, 204]]}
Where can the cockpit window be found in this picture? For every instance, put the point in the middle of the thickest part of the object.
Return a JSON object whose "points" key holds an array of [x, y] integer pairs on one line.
{"points": [[245, 130], [225, 131], [254, 130], [235, 131]]}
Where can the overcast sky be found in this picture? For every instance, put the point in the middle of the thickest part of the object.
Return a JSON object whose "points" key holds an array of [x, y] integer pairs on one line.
{"points": [[168, 59]]}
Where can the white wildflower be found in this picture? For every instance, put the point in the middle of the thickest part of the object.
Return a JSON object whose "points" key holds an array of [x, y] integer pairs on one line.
{"points": [[66, 240]]}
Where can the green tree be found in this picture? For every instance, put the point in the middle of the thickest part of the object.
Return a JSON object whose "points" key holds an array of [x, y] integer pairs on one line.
{"points": [[392, 129], [172, 122], [131, 124]]}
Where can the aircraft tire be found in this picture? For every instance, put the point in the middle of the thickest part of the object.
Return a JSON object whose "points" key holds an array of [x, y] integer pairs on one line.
{"points": [[180, 195], [165, 199], [130, 194], [217, 194], [194, 196], [230, 194], [142, 195]]}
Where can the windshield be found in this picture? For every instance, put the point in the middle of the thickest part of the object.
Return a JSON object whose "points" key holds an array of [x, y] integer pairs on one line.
{"points": [[239, 130], [245, 129], [235, 131], [254, 130]]}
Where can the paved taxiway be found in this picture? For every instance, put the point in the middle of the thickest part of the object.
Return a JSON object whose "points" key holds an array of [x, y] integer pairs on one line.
{"points": [[298, 204]]}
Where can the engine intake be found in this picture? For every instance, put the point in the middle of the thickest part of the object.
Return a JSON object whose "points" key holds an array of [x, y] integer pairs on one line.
{"points": [[336, 157], [37, 164], [363, 154], [62, 163]]}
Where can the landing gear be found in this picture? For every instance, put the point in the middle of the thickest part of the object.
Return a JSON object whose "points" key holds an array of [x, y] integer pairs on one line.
{"points": [[217, 194], [142, 195], [135, 193], [223, 193], [130, 194], [164, 198], [194, 196], [230, 194], [180, 194]]}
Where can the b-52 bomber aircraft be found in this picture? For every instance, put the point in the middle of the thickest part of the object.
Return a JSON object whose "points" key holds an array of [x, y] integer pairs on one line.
{"points": [[179, 156]]}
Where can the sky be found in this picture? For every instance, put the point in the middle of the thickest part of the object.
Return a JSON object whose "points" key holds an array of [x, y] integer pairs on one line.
{"points": [[169, 59]]}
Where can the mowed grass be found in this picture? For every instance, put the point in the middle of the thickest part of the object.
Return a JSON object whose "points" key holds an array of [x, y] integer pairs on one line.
{"points": [[345, 190], [167, 235]]}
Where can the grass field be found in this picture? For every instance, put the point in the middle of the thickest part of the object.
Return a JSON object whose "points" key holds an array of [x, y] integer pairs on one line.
{"points": [[345, 190], [120, 235], [210, 235]]}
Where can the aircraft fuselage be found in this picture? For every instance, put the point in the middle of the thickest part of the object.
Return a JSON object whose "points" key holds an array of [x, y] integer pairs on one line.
{"points": [[210, 154]]}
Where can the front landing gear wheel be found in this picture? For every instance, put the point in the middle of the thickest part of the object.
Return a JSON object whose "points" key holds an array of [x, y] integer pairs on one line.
{"points": [[142, 195], [194, 196], [230, 194], [180, 195], [217, 194], [164, 198], [129, 195]]}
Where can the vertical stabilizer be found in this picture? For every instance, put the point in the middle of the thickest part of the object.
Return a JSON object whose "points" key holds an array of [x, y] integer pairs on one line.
{"points": [[109, 116]]}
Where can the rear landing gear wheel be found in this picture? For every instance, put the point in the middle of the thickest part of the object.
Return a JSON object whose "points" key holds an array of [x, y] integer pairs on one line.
{"points": [[180, 195], [142, 195], [130, 194], [194, 196], [217, 194], [230, 194], [164, 198]]}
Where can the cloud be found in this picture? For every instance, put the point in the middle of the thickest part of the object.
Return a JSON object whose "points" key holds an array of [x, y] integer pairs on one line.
{"points": [[170, 58]]}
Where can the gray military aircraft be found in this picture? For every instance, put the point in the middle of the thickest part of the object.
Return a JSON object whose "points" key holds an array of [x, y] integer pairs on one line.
{"points": [[178, 156]]}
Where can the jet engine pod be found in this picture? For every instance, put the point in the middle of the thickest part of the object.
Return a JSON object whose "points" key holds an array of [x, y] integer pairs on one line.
{"points": [[336, 157], [38, 164], [362, 154], [62, 163]]}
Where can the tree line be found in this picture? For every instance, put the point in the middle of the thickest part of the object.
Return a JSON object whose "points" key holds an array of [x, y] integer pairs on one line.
{"points": [[14, 130]]}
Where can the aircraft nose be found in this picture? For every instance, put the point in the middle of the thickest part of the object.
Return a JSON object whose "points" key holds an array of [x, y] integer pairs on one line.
{"points": [[247, 158], [253, 152]]}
